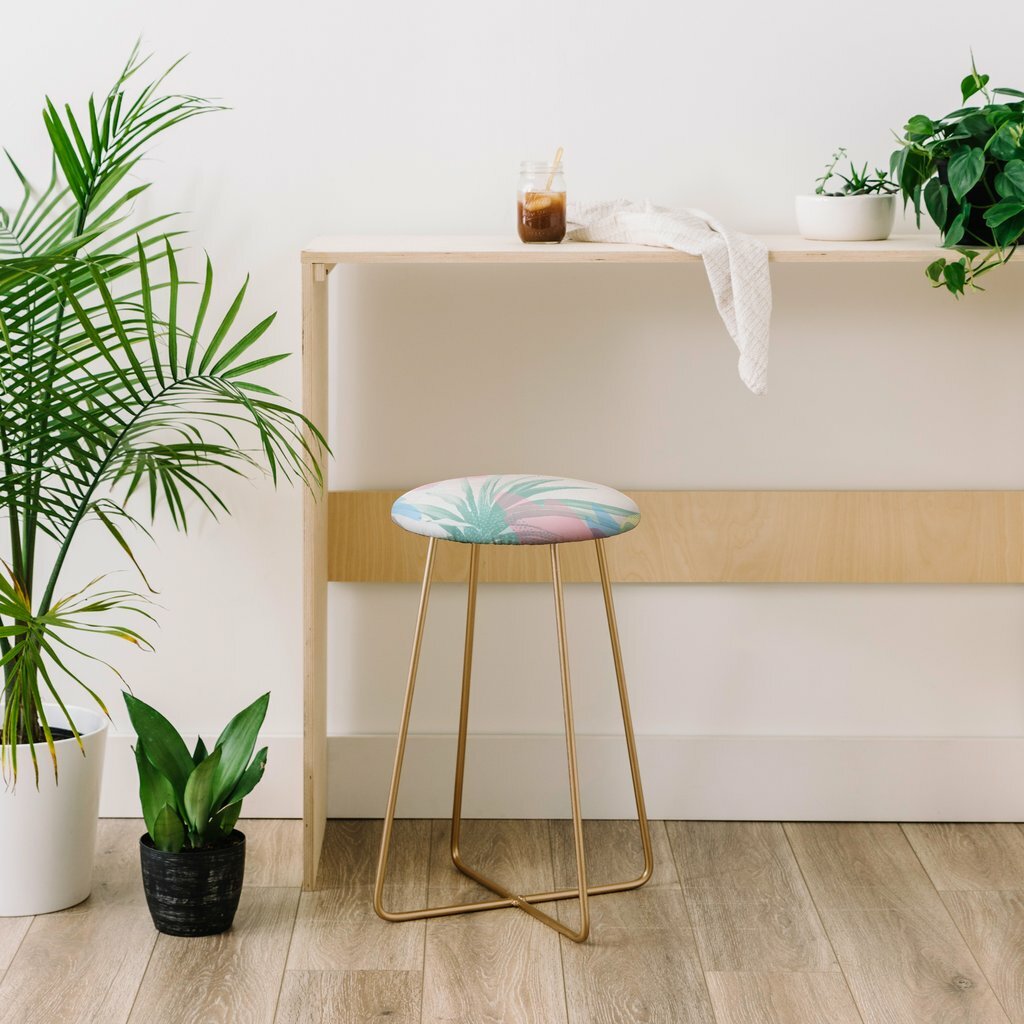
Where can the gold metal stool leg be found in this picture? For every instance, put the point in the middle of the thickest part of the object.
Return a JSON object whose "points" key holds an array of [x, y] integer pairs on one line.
{"points": [[507, 898], [467, 672], [403, 735], [627, 727]]}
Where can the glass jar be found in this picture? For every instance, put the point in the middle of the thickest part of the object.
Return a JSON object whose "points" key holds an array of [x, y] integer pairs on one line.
{"points": [[541, 202]]}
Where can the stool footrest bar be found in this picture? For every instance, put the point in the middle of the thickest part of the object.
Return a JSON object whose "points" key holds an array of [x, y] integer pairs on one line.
{"points": [[511, 900]]}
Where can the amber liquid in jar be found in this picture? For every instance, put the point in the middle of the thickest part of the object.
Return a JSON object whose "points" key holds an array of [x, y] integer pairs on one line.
{"points": [[541, 216]]}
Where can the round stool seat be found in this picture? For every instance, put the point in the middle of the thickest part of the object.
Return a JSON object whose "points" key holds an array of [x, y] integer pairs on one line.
{"points": [[515, 509]]}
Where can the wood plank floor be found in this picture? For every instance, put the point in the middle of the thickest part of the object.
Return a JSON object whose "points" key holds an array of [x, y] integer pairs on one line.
{"points": [[742, 923]]}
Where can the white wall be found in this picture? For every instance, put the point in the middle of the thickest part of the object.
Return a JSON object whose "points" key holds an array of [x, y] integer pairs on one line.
{"points": [[410, 117]]}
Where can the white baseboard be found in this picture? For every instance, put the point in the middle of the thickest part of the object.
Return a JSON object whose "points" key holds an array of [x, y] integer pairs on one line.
{"points": [[789, 778]]}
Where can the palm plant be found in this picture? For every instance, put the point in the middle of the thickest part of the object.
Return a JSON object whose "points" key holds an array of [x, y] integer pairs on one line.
{"points": [[110, 387]]}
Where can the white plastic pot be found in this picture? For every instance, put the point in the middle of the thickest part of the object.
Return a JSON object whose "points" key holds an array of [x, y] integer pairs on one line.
{"points": [[845, 218], [48, 835]]}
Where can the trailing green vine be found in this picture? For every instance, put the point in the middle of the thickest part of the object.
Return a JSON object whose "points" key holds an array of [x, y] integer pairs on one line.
{"points": [[967, 169]]}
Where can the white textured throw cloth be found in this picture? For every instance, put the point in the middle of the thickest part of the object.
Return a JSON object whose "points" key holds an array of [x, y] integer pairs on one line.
{"points": [[737, 266]]}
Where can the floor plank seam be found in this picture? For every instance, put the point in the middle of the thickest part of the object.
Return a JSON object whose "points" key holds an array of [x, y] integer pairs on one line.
{"points": [[142, 981], [561, 938], [287, 954], [970, 949], [17, 950], [821, 921], [976, 892], [689, 922]]}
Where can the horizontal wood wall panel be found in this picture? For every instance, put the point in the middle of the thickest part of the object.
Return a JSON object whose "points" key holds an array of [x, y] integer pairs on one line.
{"points": [[725, 537]]}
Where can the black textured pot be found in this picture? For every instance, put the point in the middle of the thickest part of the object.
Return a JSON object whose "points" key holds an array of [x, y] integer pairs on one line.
{"points": [[194, 892]]}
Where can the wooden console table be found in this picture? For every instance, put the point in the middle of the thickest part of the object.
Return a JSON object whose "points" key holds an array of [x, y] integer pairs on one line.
{"points": [[688, 536]]}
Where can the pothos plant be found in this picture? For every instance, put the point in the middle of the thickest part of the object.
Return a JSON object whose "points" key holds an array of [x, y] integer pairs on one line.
{"points": [[857, 183], [968, 170], [114, 385]]}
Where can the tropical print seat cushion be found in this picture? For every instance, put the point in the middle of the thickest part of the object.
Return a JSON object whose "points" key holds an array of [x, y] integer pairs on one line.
{"points": [[515, 509]]}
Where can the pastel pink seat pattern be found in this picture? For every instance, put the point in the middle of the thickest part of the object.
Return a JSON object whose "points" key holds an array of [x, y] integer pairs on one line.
{"points": [[515, 509]]}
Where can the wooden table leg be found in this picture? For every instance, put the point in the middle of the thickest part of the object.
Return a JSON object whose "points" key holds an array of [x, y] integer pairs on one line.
{"points": [[314, 579]]}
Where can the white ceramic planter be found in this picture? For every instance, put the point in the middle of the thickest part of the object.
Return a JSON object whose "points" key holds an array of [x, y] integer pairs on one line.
{"points": [[845, 218], [47, 835]]}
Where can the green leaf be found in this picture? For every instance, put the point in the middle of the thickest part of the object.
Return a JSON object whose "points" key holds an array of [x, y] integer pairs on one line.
{"points": [[920, 125], [83, 149], [935, 198], [251, 367], [1005, 188], [155, 790], [164, 746], [997, 114], [965, 170], [225, 820], [147, 308], [199, 794], [200, 753], [98, 512], [1013, 174], [169, 832], [1009, 232], [955, 231], [916, 170], [246, 342], [197, 327], [172, 315], [968, 87], [973, 83], [934, 270], [1003, 211], [222, 329], [912, 168], [94, 127], [1009, 92], [1002, 145], [65, 153], [896, 160], [237, 741], [958, 114], [955, 275], [250, 777], [974, 126]]}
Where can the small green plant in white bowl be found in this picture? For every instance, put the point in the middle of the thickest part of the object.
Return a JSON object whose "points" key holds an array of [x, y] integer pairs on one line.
{"points": [[857, 183], [858, 206]]}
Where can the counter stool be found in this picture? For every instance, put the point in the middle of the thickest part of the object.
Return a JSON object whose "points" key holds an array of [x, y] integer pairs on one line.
{"points": [[516, 509]]}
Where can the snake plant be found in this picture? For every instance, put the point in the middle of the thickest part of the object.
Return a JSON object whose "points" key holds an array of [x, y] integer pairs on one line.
{"points": [[117, 384], [194, 800]]}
